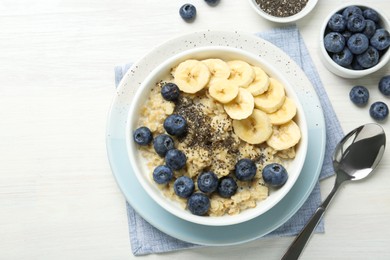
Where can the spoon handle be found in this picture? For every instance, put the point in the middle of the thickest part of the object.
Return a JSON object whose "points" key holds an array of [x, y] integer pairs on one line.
{"points": [[295, 249], [297, 246]]}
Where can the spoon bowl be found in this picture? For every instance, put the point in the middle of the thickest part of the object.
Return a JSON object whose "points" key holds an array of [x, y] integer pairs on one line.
{"points": [[355, 158], [360, 151]]}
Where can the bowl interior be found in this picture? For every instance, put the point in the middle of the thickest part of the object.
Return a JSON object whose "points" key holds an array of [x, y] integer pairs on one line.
{"points": [[139, 163], [346, 72]]}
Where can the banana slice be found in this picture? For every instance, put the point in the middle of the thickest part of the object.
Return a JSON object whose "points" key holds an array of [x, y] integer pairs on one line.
{"points": [[241, 73], [260, 83], [218, 68], [255, 129], [242, 106], [284, 136], [223, 90], [191, 76], [272, 99], [285, 113]]}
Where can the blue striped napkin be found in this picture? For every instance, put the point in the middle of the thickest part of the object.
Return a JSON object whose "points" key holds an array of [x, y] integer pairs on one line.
{"points": [[145, 239]]}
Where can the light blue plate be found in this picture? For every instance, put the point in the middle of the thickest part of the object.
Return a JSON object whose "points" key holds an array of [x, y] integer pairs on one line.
{"points": [[195, 233]]}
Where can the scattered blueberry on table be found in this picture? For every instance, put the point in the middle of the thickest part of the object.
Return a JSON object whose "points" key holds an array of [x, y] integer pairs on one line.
{"points": [[354, 38], [184, 186], [187, 12], [143, 136], [275, 174], [379, 111], [212, 2], [359, 95], [384, 85]]}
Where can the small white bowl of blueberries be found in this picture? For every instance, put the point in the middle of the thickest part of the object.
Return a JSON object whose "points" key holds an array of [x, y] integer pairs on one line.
{"points": [[355, 41]]}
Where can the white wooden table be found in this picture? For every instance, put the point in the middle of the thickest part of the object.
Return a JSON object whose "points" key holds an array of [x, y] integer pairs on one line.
{"points": [[58, 198]]}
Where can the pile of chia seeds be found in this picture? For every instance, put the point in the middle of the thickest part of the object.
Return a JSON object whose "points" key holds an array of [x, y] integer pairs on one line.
{"points": [[282, 8]]}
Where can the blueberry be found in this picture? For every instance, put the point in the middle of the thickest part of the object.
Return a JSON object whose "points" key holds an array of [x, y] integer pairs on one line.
{"points": [[198, 204], [170, 92], [162, 143], [379, 111], [359, 95], [384, 85], [275, 174], [337, 23], [356, 23], [358, 43], [343, 58], [380, 40], [175, 125], [184, 186], [346, 34], [351, 10], [371, 15], [142, 135], [355, 65], [175, 159], [207, 182], [334, 42], [162, 174], [370, 29], [212, 2], [245, 170], [227, 187], [187, 12], [369, 58]]}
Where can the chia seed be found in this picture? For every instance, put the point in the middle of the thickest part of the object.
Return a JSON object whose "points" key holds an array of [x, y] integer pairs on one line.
{"points": [[281, 8], [200, 132]]}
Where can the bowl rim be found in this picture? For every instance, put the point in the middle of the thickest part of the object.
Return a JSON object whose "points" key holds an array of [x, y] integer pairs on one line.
{"points": [[306, 10], [165, 202], [340, 70]]}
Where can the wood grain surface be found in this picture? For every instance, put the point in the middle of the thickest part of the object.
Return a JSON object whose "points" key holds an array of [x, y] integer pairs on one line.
{"points": [[58, 197]]}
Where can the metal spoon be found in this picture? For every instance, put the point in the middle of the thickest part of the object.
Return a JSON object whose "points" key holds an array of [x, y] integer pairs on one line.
{"points": [[355, 157]]}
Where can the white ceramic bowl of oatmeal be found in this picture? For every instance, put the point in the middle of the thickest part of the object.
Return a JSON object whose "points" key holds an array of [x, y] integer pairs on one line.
{"points": [[252, 198]]}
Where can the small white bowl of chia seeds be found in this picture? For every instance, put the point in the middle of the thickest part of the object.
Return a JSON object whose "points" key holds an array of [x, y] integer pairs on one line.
{"points": [[283, 11]]}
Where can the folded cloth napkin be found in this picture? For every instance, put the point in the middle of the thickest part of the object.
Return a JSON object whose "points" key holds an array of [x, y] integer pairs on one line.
{"points": [[145, 239]]}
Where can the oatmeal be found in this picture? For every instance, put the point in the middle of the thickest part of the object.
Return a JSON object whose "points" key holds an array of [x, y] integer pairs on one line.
{"points": [[229, 120]]}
